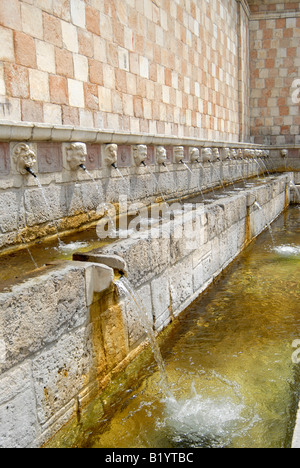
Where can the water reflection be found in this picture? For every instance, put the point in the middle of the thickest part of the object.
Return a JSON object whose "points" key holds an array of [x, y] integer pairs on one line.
{"points": [[228, 360]]}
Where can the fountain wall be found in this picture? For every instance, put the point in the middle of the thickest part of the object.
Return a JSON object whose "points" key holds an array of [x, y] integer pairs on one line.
{"points": [[102, 73], [69, 198], [66, 334]]}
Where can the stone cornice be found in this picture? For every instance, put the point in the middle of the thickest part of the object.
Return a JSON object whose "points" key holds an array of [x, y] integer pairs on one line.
{"points": [[274, 15], [23, 131], [245, 6]]}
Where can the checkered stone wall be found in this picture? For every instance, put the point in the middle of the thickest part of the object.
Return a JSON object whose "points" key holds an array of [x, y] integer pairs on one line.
{"points": [[151, 66]]}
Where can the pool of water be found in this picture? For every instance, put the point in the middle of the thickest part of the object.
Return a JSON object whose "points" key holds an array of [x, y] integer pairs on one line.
{"points": [[16, 266], [228, 359]]}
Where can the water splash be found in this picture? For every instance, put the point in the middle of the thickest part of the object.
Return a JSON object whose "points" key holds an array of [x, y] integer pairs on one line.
{"points": [[260, 167], [296, 189], [73, 246], [203, 422], [120, 174], [218, 177], [287, 250]]}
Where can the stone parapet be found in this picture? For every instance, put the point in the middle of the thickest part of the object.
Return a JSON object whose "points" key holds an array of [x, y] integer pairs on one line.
{"points": [[76, 170]]}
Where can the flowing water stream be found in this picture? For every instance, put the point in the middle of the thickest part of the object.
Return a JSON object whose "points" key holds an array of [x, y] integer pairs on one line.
{"points": [[228, 360]]}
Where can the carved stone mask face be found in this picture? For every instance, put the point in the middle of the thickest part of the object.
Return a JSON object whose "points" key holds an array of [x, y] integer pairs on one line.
{"points": [[76, 155], [195, 155], [111, 154], [226, 153], [24, 157], [179, 153], [216, 153], [161, 155], [140, 154], [207, 154]]}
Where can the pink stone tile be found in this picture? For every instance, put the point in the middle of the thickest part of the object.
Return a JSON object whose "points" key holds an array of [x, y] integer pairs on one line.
{"points": [[124, 156], [49, 157], [169, 150], [186, 153], [150, 156], [4, 159], [93, 160]]}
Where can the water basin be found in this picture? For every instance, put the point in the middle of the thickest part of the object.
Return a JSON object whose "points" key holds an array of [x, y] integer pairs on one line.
{"points": [[228, 359]]}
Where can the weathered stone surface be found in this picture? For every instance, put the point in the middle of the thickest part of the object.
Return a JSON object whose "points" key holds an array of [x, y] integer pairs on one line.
{"points": [[11, 211], [18, 417], [60, 371], [160, 292], [181, 282], [60, 347], [4, 159], [134, 319], [39, 311], [49, 157]]}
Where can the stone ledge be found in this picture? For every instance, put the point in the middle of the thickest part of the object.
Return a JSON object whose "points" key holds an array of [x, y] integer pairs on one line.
{"points": [[23, 131], [274, 15]]}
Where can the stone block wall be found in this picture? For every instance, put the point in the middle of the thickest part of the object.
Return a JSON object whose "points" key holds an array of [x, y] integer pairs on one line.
{"points": [[167, 67], [258, 6], [63, 199], [66, 333], [275, 72], [47, 350]]}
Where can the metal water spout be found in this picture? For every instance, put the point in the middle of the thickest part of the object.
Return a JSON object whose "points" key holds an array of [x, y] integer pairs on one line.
{"points": [[82, 166], [30, 171], [114, 165]]}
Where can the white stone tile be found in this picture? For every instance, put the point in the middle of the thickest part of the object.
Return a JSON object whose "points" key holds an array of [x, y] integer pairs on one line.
{"points": [[7, 45], [76, 94], [39, 85], [45, 57], [81, 67], [32, 20], [78, 12], [52, 114], [70, 37], [144, 67]]}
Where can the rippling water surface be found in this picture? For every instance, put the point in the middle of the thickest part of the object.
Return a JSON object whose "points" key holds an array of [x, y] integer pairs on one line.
{"points": [[228, 359]]}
